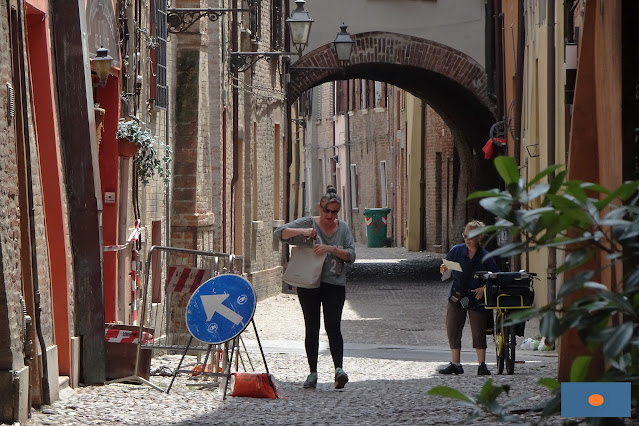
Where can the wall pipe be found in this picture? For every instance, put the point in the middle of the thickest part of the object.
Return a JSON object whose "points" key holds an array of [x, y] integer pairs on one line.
{"points": [[519, 79], [235, 124], [422, 180], [552, 252]]}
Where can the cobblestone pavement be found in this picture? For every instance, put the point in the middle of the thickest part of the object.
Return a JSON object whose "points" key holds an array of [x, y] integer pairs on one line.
{"points": [[395, 341]]}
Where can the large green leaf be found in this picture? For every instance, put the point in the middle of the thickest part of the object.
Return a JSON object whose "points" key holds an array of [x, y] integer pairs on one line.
{"points": [[618, 301], [579, 368], [484, 194], [619, 339], [549, 383], [549, 326], [624, 192], [507, 169], [448, 392], [489, 392], [496, 205], [542, 174], [555, 185], [576, 258], [631, 283], [535, 192]]}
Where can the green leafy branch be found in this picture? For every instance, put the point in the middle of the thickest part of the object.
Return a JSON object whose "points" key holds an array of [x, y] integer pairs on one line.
{"points": [[589, 222]]}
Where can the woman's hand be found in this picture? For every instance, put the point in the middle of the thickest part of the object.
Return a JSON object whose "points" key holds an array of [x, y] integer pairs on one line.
{"points": [[309, 233], [443, 268], [324, 248], [479, 292]]}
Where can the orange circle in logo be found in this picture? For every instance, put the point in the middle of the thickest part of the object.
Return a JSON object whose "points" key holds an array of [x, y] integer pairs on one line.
{"points": [[595, 399]]}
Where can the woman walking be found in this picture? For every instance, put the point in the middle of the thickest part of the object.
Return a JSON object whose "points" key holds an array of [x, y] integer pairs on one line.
{"points": [[337, 242]]}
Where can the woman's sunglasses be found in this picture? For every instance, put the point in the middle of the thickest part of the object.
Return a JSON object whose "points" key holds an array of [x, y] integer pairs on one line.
{"points": [[329, 210]]}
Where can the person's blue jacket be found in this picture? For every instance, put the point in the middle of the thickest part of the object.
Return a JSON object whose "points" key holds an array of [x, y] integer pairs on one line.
{"points": [[465, 281]]}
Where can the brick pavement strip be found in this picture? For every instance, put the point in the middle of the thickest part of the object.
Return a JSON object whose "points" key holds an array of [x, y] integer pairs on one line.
{"points": [[400, 310]]}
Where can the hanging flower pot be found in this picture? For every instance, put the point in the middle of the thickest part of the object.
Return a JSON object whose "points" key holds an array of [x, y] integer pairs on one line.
{"points": [[126, 148], [133, 141]]}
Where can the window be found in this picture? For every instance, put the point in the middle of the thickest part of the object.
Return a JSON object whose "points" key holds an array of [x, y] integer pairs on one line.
{"points": [[276, 25], [317, 94], [158, 27], [255, 24], [378, 95], [276, 172]]}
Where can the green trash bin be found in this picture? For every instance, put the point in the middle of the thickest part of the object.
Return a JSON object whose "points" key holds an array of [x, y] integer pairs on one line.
{"points": [[376, 226]]}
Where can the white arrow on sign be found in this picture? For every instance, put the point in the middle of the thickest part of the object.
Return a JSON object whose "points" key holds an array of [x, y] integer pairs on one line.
{"points": [[213, 303]]}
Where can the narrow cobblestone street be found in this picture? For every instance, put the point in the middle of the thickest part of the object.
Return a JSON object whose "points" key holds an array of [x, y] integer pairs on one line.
{"points": [[395, 341]]}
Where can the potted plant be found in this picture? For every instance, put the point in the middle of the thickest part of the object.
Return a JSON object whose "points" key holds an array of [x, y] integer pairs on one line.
{"points": [[136, 142]]}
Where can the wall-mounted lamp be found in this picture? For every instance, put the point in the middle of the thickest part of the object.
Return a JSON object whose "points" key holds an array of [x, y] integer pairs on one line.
{"points": [[343, 44], [343, 48], [102, 65], [299, 25]]}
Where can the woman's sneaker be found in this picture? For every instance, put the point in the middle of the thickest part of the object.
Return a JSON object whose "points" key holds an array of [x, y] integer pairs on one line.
{"points": [[452, 369], [311, 381], [341, 378]]}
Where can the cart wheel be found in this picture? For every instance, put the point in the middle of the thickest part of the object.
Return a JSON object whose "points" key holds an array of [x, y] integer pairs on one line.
{"points": [[499, 342], [510, 342]]}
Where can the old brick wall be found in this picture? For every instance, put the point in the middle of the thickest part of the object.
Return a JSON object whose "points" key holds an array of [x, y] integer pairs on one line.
{"points": [[370, 145], [10, 264], [261, 110], [439, 185]]}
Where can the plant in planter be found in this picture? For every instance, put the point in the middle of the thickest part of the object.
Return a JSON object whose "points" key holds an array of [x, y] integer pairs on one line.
{"points": [[146, 159]]}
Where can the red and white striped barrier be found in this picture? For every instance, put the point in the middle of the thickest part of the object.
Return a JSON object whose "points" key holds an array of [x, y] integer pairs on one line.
{"points": [[369, 221], [114, 335], [183, 279]]}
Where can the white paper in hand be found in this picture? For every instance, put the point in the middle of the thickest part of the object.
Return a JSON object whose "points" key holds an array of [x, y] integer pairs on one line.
{"points": [[453, 265], [447, 274]]}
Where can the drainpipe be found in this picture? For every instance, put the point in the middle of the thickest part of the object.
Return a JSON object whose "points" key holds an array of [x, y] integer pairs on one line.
{"points": [[347, 143], [167, 193], [519, 96], [422, 181], [235, 124], [519, 80], [552, 252]]}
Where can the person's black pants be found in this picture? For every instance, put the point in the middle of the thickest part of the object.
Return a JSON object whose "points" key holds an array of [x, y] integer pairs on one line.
{"points": [[331, 297]]}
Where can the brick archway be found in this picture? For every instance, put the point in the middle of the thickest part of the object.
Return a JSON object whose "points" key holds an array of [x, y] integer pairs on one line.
{"points": [[383, 49], [451, 82]]}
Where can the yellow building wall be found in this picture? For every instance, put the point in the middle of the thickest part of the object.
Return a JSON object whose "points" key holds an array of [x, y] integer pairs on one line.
{"points": [[414, 116], [534, 154]]}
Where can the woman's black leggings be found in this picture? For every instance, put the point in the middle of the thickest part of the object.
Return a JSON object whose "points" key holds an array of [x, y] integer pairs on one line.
{"points": [[331, 297]]}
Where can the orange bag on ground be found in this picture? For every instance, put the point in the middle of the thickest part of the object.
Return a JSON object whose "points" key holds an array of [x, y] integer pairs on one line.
{"points": [[254, 385]]}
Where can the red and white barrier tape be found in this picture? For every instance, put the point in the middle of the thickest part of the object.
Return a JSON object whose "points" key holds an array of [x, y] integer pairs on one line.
{"points": [[183, 279], [114, 335]]}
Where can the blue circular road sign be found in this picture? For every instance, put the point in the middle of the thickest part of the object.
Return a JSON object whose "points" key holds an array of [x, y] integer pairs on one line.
{"points": [[220, 309]]}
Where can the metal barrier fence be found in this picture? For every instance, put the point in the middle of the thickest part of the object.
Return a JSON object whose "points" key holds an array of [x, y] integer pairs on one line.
{"points": [[163, 306]]}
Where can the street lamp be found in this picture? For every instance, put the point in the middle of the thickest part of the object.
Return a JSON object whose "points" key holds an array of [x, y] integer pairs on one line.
{"points": [[343, 48], [299, 24], [343, 44], [102, 65]]}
